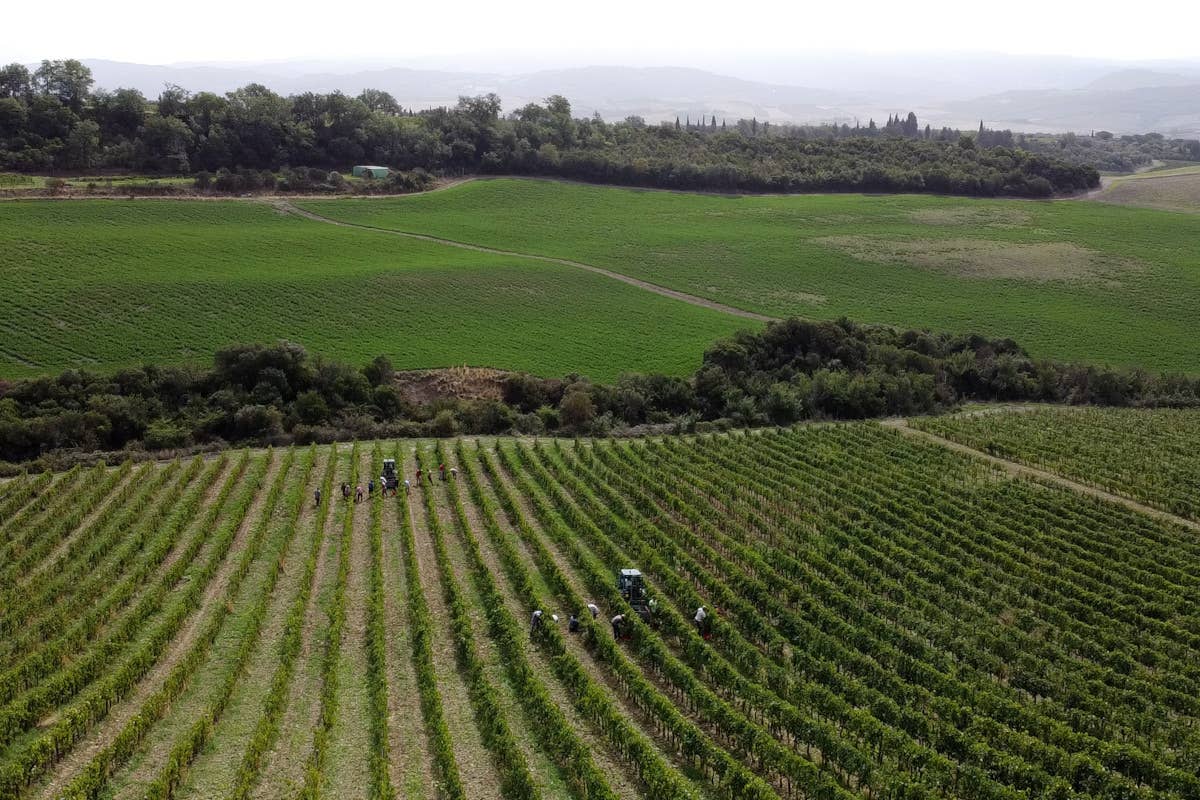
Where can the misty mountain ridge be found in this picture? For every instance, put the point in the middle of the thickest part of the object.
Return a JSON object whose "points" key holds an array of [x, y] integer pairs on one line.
{"points": [[1125, 100]]}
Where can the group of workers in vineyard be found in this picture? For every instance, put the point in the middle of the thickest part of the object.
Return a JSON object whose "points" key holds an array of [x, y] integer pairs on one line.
{"points": [[358, 493], [620, 627], [442, 471]]}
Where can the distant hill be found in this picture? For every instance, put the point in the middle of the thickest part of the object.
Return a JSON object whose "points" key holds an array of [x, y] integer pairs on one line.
{"points": [[1133, 100], [1171, 110], [1127, 79], [656, 93], [663, 92]]}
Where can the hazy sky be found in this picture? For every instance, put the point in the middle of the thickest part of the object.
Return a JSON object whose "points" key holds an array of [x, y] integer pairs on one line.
{"points": [[635, 32]]}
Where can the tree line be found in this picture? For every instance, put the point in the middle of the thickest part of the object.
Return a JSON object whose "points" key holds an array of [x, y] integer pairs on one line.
{"points": [[52, 120], [792, 371]]}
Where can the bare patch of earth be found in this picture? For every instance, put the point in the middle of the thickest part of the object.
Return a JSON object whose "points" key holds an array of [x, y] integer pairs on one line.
{"points": [[463, 383], [1037, 262]]}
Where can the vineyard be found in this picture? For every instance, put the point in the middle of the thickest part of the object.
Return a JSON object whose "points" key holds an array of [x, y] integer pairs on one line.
{"points": [[890, 619], [1147, 455]]}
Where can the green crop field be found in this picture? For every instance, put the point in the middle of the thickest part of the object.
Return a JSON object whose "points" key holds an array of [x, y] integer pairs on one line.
{"points": [[102, 284], [1069, 279], [890, 618], [1149, 456]]}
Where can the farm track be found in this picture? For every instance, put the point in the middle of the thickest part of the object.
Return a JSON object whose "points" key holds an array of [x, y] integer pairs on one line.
{"points": [[1017, 468], [287, 207]]}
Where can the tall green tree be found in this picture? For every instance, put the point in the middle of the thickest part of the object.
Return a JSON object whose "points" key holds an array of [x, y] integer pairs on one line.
{"points": [[15, 81], [70, 81]]}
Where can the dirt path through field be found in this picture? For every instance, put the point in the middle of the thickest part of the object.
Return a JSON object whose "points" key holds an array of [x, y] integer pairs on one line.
{"points": [[474, 761], [410, 765], [99, 737], [287, 207], [1016, 468]]}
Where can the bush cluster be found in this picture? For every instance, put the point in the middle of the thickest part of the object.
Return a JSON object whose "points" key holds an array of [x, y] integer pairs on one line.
{"points": [[791, 371]]}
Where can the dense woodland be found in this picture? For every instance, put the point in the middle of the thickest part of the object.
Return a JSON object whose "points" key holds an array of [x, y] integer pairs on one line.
{"points": [[792, 371], [1110, 153], [52, 121]]}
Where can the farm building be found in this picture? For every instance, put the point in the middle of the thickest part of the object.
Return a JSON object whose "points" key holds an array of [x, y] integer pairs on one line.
{"points": [[369, 172]]}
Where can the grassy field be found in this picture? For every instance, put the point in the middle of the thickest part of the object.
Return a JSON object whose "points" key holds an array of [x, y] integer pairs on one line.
{"points": [[887, 615], [99, 182], [1070, 279], [103, 284]]}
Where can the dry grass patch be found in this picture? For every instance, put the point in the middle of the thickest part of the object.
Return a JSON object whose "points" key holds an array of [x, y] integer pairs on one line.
{"points": [[984, 258], [987, 216], [1169, 193]]}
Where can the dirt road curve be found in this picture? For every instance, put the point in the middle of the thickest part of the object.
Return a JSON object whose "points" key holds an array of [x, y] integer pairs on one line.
{"points": [[1015, 468], [287, 207]]}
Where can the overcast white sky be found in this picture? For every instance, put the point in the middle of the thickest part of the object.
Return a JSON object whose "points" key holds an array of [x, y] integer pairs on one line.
{"points": [[566, 32]]}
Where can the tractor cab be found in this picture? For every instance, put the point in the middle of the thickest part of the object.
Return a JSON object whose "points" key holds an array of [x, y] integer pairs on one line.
{"points": [[633, 589], [391, 481]]}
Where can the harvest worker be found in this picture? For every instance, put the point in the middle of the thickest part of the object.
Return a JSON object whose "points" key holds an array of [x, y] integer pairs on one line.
{"points": [[383, 486], [418, 474], [442, 470], [535, 622], [345, 491], [407, 487], [594, 609], [454, 472], [701, 619], [358, 493], [573, 624], [317, 498], [618, 626], [371, 487]]}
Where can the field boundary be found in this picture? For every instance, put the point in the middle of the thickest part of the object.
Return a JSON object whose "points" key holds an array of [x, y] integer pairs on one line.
{"points": [[1024, 470], [287, 207]]}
